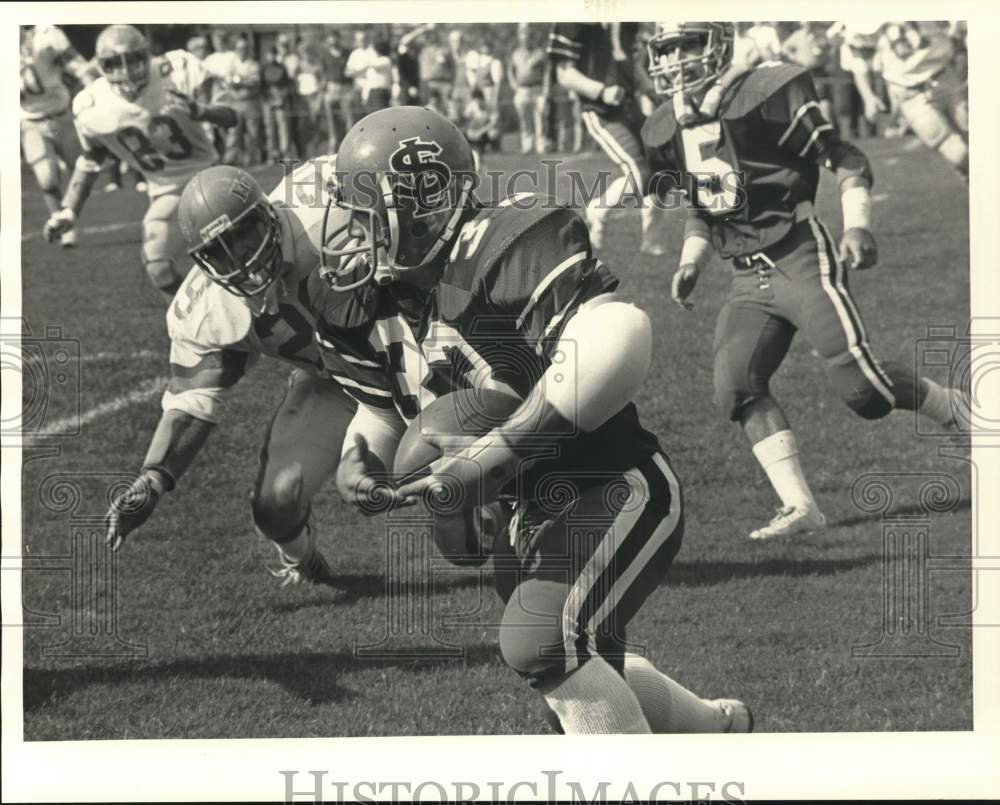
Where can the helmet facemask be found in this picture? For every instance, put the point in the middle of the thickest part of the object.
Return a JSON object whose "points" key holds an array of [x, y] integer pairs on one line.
{"points": [[242, 255], [400, 227], [686, 62], [127, 73]]}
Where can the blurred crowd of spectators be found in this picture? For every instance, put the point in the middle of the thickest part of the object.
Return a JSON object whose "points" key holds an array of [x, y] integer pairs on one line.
{"points": [[299, 92]]}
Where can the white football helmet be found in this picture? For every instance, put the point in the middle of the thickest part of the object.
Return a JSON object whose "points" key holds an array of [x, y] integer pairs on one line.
{"points": [[123, 58]]}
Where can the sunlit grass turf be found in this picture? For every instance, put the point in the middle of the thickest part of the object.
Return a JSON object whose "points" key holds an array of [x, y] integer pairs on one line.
{"points": [[230, 654]]}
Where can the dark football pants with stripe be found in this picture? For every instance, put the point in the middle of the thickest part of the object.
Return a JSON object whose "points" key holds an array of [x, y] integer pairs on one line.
{"points": [[807, 291], [582, 566]]}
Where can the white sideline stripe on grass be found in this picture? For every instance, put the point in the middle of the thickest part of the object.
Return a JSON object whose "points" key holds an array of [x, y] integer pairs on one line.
{"points": [[89, 230], [140, 355], [143, 393]]}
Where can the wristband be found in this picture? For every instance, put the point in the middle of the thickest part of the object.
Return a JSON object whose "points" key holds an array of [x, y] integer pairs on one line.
{"points": [[856, 203], [159, 480]]}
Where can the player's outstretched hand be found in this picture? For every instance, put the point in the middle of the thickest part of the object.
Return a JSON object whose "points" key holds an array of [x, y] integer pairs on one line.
{"points": [[58, 224], [685, 278], [363, 483], [129, 510], [858, 249]]}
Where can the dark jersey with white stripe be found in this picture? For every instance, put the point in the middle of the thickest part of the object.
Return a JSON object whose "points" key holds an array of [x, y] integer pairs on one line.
{"points": [[747, 170], [604, 52], [515, 276]]}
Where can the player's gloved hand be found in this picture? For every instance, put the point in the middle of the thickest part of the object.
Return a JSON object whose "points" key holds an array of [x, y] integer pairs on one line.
{"points": [[472, 475], [178, 101], [131, 508], [58, 224], [858, 249], [612, 95], [363, 482], [685, 278]]}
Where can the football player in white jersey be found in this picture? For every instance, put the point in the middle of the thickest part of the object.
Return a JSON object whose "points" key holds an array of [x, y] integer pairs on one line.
{"points": [[143, 111], [255, 254], [47, 139], [916, 59]]}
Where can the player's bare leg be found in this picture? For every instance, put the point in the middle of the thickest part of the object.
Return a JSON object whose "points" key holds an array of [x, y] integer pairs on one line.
{"points": [[775, 448]]}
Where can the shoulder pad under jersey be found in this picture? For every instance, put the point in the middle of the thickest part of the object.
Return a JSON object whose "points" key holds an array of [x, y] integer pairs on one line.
{"points": [[761, 83], [660, 126], [204, 313], [484, 238]]}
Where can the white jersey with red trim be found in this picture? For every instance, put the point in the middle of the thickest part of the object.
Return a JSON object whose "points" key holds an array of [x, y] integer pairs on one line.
{"points": [[216, 336], [46, 55], [164, 144], [911, 53]]}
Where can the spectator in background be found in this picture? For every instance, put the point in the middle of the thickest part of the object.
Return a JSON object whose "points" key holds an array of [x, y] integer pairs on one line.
{"points": [[310, 86], [380, 77], [338, 94], [487, 78], [745, 51], [243, 81], [481, 124], [564, 121], [408, 64], [465, 61], [437, 71], [765, 36], [277, 97], [357, 66], [526, 75]]}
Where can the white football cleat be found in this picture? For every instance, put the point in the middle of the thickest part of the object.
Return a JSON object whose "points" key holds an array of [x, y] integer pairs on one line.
{"points": [[313, 568], [739, 717], [112, 187], [141, 187], [68, 239], [791, 520]]}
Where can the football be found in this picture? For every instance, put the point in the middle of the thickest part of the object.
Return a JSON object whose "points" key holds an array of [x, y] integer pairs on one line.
{"points": [[468, 412], [465, 538]]}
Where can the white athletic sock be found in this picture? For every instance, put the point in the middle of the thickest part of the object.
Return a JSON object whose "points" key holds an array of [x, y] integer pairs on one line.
{"points": [[598, 208], [667, 705], [595, 700], [778, 455], [297, 549], [938, 404]]}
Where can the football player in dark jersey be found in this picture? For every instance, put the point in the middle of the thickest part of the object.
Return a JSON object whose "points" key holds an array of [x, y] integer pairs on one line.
{"points": [[597, 62], [448, 295], [746, 147]]}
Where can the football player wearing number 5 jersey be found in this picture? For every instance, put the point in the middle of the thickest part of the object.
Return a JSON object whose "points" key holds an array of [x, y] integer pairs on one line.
{"points": [[255, 254], [448, 295], [747, 154], [143, 111]]}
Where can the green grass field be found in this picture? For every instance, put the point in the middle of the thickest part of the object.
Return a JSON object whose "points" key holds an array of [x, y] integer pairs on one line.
{"points": [[229, 654]]}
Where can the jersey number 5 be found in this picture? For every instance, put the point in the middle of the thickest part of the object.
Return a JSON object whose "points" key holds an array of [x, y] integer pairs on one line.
{"points": [[716, 183]]}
